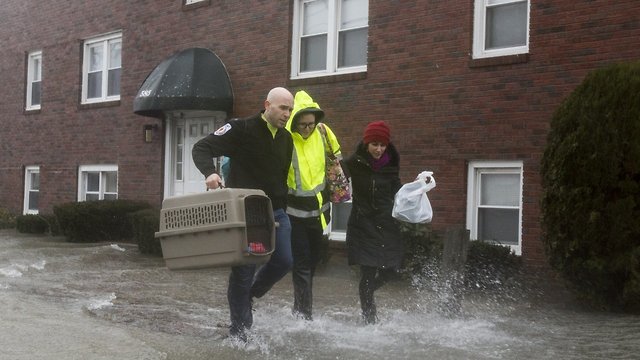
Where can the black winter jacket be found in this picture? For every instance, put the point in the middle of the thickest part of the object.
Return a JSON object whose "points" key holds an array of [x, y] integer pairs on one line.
{"points": [[258, 160], [373, 236]]}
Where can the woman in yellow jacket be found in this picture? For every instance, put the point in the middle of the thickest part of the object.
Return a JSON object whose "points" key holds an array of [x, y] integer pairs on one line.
{"points": [[308, 199]]}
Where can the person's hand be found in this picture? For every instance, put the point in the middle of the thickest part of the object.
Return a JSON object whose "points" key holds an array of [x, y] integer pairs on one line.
{"points": [[213, 181]]}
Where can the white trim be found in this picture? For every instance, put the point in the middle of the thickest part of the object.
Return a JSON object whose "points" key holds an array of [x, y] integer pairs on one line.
{"points": [[28, 170], [479, 30], [473, 191], [35, 55], [105, 40], [82, 169], [332, 43]]}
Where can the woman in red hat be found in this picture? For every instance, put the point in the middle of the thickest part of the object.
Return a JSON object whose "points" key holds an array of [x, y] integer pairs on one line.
{"points": [[373, 237]]}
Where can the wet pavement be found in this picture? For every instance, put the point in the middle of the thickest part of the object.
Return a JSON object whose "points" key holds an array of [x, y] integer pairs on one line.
{"points": [[60, 300]]}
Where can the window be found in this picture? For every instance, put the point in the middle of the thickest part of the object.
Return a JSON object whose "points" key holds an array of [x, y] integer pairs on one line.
{"points": [[101, 69], [34, 80], [501, 27], [494, 202], [31, 189], [189, 2], [339, 218], [98, 182], [329, 37]]}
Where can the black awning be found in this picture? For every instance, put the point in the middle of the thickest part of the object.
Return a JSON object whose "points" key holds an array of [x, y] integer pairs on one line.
{"points": [[192, 79]]}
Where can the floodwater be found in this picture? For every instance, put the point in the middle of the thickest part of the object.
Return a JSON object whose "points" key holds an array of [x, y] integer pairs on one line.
{"points": [[107, 301]]}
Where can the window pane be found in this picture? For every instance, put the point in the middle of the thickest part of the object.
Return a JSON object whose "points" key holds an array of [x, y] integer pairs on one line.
{"points": [[315, 19], [35, 93], [353, 48], [355, 13], [34, 181], [115, 51], [313, 54], [110, 196], [500, 189], [111, 182], [90, 197], [94, 85], [506, 26], [114, 82], [37, 69], [340, 216], [499, 225], [95, 58], [33, 200], [93, 181], [178, 171]]}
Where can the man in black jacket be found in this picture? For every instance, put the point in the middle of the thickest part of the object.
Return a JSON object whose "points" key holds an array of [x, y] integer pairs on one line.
{"points": [[260, 150]]}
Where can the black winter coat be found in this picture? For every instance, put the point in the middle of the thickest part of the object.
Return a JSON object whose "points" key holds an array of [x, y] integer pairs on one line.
{"points": [[258, 160], [373, 236]]}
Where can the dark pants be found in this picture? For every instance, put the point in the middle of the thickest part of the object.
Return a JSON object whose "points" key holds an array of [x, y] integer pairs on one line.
{"points": [[306, 243], [243, 285], [371, 279]]}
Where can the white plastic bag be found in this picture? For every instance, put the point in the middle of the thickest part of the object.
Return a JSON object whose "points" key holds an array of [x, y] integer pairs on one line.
{"points": [[411, 203]]}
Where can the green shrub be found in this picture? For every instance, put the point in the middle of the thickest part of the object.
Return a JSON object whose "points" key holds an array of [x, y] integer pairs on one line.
{"points": [[145, 224], [7, 219], [52, 224], [423, 248], [490, 265], [93, 221], [591, 188], [31, 224]]}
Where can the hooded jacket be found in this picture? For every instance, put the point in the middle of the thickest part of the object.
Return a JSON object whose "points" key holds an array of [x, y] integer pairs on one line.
{"points": [[308, 195]]}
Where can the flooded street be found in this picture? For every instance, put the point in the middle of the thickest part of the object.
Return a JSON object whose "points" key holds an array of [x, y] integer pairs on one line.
{"points": [[107, 301]]}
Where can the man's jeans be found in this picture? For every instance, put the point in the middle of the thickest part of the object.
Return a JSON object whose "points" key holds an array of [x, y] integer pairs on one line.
{"points": [[243, 285]]}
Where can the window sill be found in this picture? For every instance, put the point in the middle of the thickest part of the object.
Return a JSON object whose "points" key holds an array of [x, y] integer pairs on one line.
{"points": [[499, 60], [98, 105], [327, 79], [32, 111], [186, 7]]}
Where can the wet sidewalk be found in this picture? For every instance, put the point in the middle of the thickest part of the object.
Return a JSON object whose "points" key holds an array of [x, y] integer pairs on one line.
{"points": [[107, 301]]}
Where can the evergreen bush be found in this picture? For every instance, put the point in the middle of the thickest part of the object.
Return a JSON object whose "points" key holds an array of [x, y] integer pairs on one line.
{"points": [[145, 224], [93, 221], [591, 188], [7, 219], [490, 265], [31, 224]]}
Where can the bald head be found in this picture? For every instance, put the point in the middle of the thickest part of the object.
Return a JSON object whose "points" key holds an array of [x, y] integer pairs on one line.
{"points": [[278, 106]]}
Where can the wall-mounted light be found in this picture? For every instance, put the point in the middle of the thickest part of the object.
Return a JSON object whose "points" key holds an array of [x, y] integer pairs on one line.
{"points": [[148, 132]]}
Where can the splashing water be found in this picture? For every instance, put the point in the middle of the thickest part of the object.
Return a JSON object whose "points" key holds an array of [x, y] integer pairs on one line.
{"points": [[89, 299]]}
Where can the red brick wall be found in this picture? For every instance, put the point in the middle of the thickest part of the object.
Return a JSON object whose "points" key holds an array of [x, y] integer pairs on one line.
{"points": [[444, 108]]}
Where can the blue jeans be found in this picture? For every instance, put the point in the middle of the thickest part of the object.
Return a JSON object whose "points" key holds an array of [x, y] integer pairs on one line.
{"points": [[245, 283]]}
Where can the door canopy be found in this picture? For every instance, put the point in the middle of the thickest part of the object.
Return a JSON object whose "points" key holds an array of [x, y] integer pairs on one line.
{"points": [[192, 79]]}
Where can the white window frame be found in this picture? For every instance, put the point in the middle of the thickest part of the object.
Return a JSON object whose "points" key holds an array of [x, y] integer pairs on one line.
{"points": [[341, 234], [83, 170], [477, 168], [28, 171], [479, 30], [189, 2], [332, 42], [34, 74], [104, 41]]}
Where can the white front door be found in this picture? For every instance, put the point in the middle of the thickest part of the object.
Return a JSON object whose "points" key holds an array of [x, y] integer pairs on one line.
{"points": [[185, 129]]}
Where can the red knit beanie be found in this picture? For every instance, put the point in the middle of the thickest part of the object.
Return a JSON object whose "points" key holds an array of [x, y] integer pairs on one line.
{"points": [[377, 131]]}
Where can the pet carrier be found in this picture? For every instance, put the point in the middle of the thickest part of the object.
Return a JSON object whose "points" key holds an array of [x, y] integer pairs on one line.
{"points": [[223, 227]]}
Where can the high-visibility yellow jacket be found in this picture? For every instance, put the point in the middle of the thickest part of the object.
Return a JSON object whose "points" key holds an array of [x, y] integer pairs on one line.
{"points": [[308, 195]]}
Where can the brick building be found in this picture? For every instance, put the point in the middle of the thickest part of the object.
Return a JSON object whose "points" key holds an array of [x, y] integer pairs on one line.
{"points": [[468, 88]]}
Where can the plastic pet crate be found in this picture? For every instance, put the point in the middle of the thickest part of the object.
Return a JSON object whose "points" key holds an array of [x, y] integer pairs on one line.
{"points": [[224, 227]]}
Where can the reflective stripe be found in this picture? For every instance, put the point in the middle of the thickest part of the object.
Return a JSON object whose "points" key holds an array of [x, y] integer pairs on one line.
{"points": [[307, 214], [298, 191]]}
